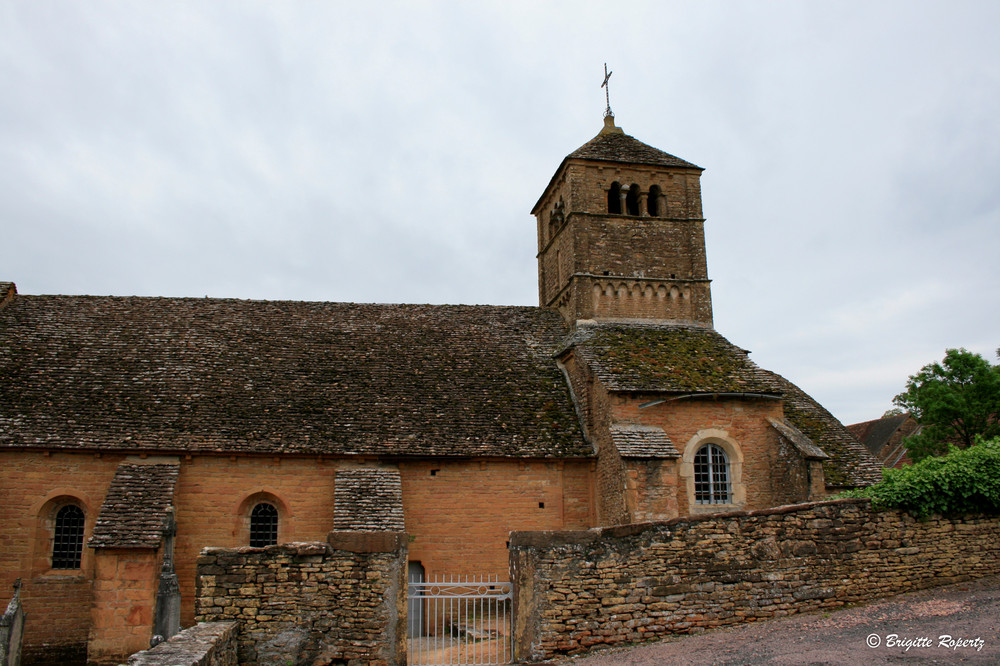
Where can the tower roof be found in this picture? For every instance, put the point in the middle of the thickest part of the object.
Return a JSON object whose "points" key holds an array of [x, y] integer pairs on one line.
{"points": [[614, 145]]}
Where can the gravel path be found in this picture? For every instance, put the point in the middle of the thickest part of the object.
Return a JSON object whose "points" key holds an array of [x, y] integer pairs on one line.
{"points": [[967, 612]]}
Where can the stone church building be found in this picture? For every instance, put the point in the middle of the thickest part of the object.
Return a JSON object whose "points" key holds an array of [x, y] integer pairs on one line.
{"points": [[134, 432]]}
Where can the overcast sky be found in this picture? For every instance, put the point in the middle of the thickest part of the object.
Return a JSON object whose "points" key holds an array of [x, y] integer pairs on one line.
{"points": [[391, 152]]}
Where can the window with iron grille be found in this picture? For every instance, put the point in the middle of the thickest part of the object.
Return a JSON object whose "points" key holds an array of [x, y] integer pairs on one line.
{"points": [[67, 544], [263, 525], [711, 476]]}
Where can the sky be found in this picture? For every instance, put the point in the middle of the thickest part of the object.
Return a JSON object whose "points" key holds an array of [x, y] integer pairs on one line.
{"points": [[391, 152]]}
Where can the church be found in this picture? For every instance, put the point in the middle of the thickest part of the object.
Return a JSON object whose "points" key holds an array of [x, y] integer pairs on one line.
{"points": [[134, 431]]}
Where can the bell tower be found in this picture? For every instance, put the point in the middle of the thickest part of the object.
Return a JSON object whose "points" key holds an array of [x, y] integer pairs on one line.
{"points": [[621, 234]]}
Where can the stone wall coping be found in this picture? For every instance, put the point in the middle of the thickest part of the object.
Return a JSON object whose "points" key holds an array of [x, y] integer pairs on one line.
{"points": [[194, 646], [552, 538], [296, 548], [367, 542]]}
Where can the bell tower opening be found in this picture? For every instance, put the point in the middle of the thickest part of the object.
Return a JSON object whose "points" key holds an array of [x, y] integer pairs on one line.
{"points": [[621, 234]]}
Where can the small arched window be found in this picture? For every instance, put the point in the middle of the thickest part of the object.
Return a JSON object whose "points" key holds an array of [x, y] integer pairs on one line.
{"points": [[632, 200], [711, 476], [653, 201], [615, 199], [263, 525], [67, 542]]}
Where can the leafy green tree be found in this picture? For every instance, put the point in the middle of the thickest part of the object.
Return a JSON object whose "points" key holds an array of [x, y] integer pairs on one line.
{"points": [[956, 401], [959, 483]]}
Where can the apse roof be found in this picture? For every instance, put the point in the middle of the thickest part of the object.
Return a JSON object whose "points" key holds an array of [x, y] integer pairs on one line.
{"points": [[686, 360]]}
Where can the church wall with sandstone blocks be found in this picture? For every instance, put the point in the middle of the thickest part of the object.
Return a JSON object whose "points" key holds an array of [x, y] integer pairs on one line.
{"points": [[459, 519], [691, 423], [584, 186], [57, 601], [459, 514]]}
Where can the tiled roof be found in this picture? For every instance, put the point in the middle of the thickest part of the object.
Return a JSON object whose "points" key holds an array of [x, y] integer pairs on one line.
{"points": [[642, 441], [676, 358], [135, 510], [806, 447], [620, 147], [368, 500], [222, 375], [876, 434], [850, 463], [667, 357], [613, 145]]}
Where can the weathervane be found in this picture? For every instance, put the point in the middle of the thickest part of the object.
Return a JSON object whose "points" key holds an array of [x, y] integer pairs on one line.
{"points": [[607, 88]]}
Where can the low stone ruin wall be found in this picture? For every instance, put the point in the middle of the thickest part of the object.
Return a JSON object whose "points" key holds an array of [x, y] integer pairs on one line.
{"points": [[578, 590], [205, 644], [342, 601]]}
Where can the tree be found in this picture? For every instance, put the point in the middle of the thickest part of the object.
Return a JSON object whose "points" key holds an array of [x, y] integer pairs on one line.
{"points": [[961, 482], [956, 402]]}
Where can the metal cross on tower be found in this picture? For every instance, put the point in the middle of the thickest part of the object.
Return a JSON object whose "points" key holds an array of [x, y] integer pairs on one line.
{"points": [[607, 88]]}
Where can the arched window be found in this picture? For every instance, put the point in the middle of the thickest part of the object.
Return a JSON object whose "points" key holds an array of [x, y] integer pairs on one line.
{"points": [[632, 200], [67, 542], [263, 525], [653, 201], [615, 199], [711, 476]]}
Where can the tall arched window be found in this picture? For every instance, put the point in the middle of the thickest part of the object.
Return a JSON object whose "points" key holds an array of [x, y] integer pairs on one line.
{"points": [[711, 476], [67, 542], [653, 201], [632, 200], [615, 199], [263, 525]]}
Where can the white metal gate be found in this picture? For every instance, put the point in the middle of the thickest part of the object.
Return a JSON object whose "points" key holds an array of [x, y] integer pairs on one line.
{"points": [[459, 621]]}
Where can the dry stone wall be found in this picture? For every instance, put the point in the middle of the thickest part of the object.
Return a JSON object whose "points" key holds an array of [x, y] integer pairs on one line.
{"points": [[632, 583], [339, 602]]}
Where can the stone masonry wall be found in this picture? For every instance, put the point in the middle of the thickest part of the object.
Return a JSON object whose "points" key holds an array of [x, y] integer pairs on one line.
{"points": [[578, 590], [341, 602], [205, 644]]}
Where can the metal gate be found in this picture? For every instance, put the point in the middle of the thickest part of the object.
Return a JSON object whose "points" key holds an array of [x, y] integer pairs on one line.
{"points": [[456, 620]]}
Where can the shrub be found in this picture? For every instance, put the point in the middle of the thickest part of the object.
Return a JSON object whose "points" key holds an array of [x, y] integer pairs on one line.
{"points": [[961, 482]]}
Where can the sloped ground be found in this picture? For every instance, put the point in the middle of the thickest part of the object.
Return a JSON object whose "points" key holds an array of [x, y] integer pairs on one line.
{"points": [[956, 624]]}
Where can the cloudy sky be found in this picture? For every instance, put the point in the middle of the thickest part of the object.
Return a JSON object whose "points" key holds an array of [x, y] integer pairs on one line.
{"points": [[391, 152]]}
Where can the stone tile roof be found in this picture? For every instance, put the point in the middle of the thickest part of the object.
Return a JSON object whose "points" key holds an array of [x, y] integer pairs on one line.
{"points": [[850, 464], [136, 509], [683, 359], [620, 147], [676, 358], [642, 441], [222, 375], [368, 500], [805, 445], [613, 145]]}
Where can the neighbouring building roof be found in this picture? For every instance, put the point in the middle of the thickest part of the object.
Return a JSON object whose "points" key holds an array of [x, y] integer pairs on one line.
{"points": [[223, 375], [884, 437], [642, 441], [368, 500], [136, 510], [684, 359]]}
